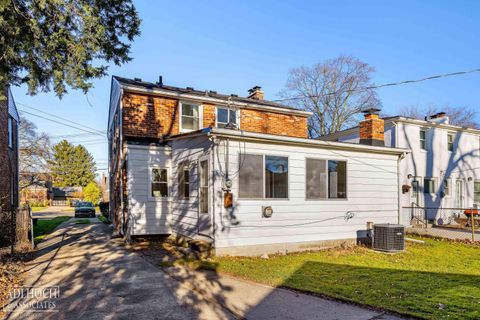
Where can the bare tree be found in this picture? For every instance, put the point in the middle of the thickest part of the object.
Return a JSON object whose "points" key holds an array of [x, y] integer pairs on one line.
{"points": [[35, 152], [459, 116], [336, 91]]}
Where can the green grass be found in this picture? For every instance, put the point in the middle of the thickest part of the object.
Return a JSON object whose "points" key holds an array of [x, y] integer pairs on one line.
{"points": [[44, 227], [82, 221], [435, 280], [102, 218]]}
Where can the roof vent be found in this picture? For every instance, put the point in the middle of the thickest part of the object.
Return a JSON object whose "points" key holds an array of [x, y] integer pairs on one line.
{"points": [[137, 79], [190, 88], [212, 92], [160, 81], [234, 95]]}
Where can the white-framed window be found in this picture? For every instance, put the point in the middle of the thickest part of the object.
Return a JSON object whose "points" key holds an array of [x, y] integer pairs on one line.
{"points": [[190, 116], [450, 139], [429, 185], [423, 139], [183, 181], [226, 116], [446, 187], [476, 192], [10, 132], [271, 184], [159, 182], [326, 179], [415, 190]]}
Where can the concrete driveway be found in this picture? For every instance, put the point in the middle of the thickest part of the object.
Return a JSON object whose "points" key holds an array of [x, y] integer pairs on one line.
{"points": [[99, 279]]}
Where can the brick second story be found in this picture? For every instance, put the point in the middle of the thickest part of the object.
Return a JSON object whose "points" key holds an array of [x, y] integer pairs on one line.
{"points": [[152, 111]]}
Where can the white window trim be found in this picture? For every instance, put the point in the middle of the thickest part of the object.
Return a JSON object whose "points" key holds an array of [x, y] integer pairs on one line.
{"points": [[435, 185], [450, 189], [420, 140], [200, 115], [263, 177], [451, 133], [326, 182], [237, 111], [150, 180]]}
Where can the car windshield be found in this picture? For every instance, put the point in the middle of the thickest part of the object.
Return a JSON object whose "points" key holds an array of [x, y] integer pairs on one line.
{"points": [[85, 204]]}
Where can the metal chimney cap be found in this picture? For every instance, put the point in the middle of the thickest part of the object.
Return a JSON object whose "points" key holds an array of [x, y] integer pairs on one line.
{"points": [[371, 111]]}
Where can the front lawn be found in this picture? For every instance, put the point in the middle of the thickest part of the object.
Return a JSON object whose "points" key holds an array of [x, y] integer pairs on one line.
{"points": [[435, 280], [46, 226]]}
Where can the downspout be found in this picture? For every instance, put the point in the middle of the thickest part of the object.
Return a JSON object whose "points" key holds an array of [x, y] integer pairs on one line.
{"points": [[213, 236]]}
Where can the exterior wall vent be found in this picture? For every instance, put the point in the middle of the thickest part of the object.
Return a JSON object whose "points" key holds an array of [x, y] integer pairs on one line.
{"points": [[389, 237]]}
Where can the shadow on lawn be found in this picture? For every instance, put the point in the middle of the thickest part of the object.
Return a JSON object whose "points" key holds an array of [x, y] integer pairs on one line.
{"points": [[422, 294]]}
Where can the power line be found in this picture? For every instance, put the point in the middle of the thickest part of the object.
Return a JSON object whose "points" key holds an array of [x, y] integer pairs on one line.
{"points": [[61, 123], [56, 116], [445, 75]]}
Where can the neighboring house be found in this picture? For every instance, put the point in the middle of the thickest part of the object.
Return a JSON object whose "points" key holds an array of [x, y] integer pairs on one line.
{"points": [[239, 172], [443, 169], [36, 188], [104, 185], [61, 196], [9, 120]]}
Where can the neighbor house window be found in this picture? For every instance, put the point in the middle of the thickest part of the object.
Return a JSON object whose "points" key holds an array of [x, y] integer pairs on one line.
{"points": [[326, 179], [450, 141], [429, 185], [476, 192], [273, 183], [10, 132], [226, 117], [276, 177], [423, 139], [250, 176], [159, 183], [190, 116], [184, 181]]}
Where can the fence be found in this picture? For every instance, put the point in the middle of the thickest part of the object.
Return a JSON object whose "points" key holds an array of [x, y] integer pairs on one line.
{"points": [[450, 223], [15, 230]]}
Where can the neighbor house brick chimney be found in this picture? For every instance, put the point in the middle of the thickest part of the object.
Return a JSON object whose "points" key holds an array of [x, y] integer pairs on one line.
{"points": [[372, 128], [256, 93]]}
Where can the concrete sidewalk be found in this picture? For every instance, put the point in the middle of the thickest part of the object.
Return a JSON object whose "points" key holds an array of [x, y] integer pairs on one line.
{"points": [[99, 279]]}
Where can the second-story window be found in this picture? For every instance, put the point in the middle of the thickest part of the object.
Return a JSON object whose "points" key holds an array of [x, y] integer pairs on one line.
{"points": [[190, 116], [423, 139], [226, 118], [10, 132], [450, 141]]}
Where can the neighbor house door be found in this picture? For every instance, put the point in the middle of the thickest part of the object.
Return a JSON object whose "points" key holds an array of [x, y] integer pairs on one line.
{"points": [[459, 194], [204, 218]]}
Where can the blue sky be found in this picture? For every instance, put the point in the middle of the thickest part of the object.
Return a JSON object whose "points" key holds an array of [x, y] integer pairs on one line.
{"points": [[231, 46]]}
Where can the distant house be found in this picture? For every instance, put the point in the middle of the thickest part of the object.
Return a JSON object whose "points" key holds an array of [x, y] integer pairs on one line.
{"points": [[37, 188], [9, 120], [61, 196], [239, 172], [443, 168]]}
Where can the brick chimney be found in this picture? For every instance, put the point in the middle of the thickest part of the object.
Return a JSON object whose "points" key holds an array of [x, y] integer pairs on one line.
{"points": [[372, 128], [256, 93]]}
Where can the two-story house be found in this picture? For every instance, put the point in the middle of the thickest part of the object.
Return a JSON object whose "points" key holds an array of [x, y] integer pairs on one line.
{"points": [[9, 120], [239, 172], [443, 168]]}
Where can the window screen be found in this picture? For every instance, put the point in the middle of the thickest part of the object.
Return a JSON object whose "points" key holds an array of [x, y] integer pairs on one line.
{"points": [[251, 176], [276, 177], [316, 179], [337, 179]]}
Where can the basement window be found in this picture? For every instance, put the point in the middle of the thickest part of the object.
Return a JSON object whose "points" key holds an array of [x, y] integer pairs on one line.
{"points": [[226, 118], [326, 179], [190, 117], [159, 183]]}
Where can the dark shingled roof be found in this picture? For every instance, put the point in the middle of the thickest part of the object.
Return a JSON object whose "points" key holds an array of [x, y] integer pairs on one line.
{"points": [[200, 94]]}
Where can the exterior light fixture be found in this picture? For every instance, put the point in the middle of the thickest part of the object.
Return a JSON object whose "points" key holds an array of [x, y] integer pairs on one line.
{"points": [[409, 176]]}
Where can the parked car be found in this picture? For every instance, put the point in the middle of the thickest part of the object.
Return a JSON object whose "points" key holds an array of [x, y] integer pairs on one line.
{"points": [[85, 209]]}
